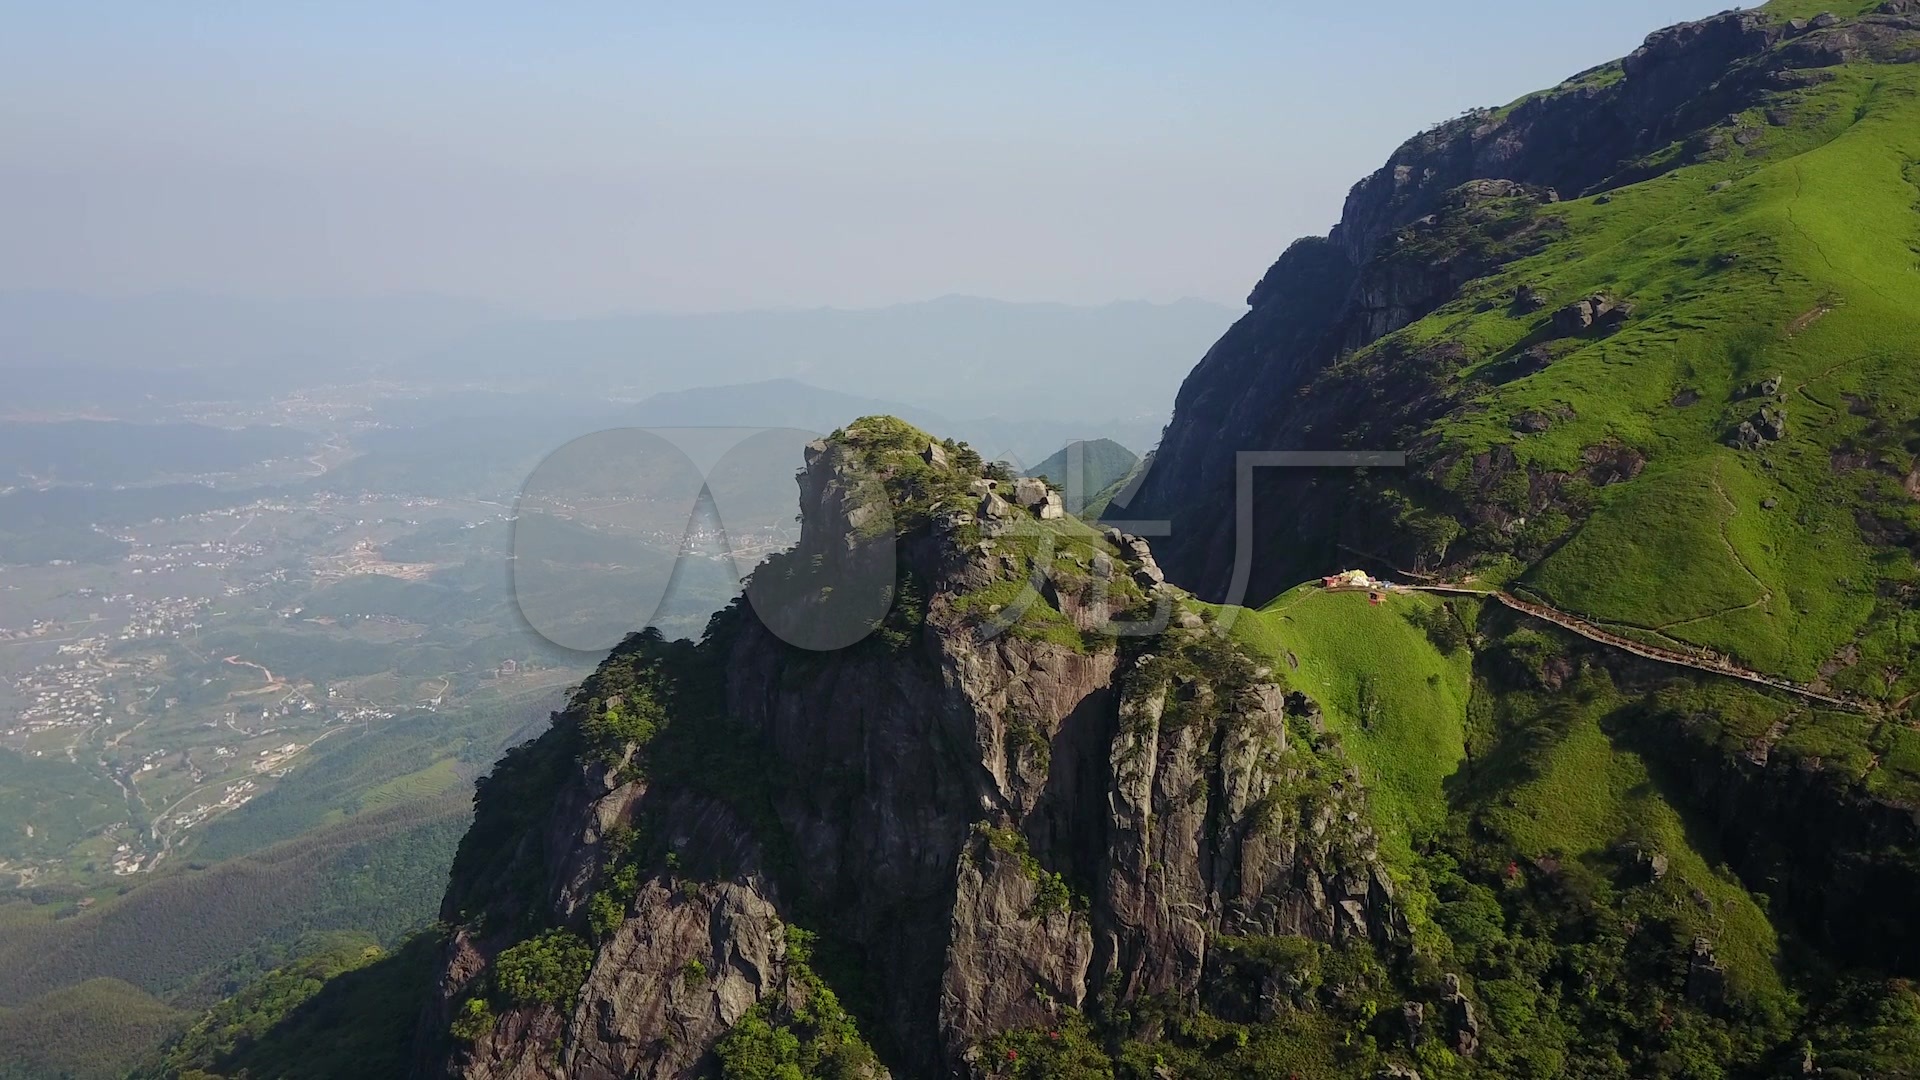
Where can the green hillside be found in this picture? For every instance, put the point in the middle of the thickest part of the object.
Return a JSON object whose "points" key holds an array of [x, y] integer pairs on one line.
{"points": [[1791, 256], [1501, 804], [1563, 819], [93, 1030], [1398, 701], [380, 872]]}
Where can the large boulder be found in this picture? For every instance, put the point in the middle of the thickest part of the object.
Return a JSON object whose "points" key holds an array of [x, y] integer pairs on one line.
{"points": [[1575, 318], [1598, 311], [1032, 494]]}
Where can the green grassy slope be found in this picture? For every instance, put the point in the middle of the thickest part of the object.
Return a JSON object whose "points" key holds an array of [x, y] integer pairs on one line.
{"points": [[1580, 795], [1399, 704], [1795, 256]]}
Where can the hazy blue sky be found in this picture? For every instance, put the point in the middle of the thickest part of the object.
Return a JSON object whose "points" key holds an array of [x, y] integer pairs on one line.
{"points": [[572, 158]]}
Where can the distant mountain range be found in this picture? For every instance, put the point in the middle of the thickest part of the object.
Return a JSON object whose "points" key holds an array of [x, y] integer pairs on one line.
{"points": [[45, 329], [954, 356], [769, 403], [960, 355]]}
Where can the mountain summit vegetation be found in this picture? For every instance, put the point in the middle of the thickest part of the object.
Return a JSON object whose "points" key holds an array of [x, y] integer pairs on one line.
{"points": [[1619, 778]]}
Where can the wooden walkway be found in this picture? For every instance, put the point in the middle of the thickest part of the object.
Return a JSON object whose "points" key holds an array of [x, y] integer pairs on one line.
{"points": [[1711, 663]]}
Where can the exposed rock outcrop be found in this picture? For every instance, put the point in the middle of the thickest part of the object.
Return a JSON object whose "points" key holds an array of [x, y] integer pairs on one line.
{"points": [[1769, 425], [1033, 495], [1462, 1023], [1528, 299], [1706, 979]]}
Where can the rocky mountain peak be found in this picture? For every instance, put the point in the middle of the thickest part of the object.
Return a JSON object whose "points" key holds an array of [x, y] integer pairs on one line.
{"points": [[1000, 821]]}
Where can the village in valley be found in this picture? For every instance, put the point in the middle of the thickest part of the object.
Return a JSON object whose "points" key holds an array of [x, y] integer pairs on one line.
{"points": [[143, 698]]}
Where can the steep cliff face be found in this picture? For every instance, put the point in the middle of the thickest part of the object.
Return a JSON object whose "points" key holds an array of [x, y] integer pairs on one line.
{"points": [[996, 826]]}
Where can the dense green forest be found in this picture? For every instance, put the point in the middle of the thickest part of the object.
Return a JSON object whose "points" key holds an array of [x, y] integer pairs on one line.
{"points": [[83, 1032], [345, 1008]]}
